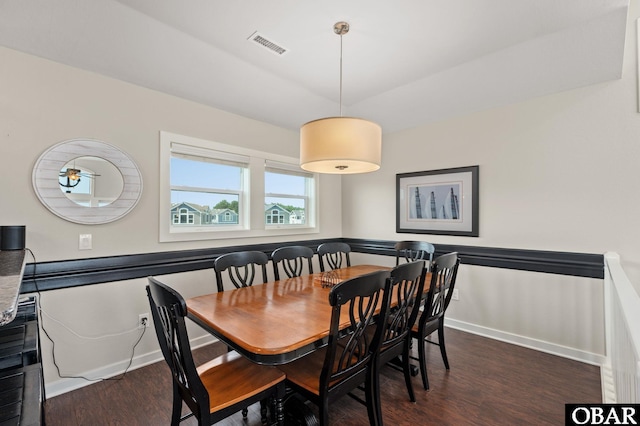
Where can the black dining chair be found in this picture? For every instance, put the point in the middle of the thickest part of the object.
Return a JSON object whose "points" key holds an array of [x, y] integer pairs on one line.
{"points": [[411, 251], [406, 288], [291, 259], [344, 363], [335, 255], [241, 266], [444, 272], [218, 388]]}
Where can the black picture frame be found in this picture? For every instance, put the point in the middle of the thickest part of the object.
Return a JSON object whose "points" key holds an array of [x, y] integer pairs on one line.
{"points": [[441, 202]]}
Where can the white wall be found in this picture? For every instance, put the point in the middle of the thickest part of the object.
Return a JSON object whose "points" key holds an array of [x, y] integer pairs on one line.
{"points": [[43, 103], [557, 173]]}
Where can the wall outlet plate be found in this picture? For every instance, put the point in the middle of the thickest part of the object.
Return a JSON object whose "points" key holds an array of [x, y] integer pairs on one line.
{"points": [[85, 242], [143, 320], [455, 295]]}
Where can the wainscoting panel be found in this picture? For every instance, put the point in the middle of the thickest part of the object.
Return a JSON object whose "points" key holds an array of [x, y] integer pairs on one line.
{"points": [[78, 272]]}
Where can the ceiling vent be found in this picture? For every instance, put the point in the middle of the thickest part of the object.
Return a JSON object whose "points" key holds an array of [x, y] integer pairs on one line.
{"points": [[258, 38]]}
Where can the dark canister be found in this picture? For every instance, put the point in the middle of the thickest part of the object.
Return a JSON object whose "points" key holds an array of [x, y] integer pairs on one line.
{"points": [[12, 237]]}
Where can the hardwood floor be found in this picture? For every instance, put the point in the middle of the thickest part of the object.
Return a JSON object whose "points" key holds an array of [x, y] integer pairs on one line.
{"points": [[490, 383]]}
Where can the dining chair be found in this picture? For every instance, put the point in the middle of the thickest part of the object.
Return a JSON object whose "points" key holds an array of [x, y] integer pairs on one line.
{"points": [[406, 285], [218, 388], [414, 250], [291, 259], [443, 280], [344, 363], [241, 266], [334, 254]]}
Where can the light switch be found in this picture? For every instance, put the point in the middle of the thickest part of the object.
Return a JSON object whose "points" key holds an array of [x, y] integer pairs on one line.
{"points": [[84, 242]]}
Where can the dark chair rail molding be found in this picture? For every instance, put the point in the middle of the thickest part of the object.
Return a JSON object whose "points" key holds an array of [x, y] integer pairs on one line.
{"points": [[71, 273]]}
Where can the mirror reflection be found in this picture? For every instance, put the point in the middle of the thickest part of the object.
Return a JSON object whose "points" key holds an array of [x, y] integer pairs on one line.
{"points": [[91, 181]]}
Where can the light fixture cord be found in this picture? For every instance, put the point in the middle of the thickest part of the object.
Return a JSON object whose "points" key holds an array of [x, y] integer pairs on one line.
{"points": [[340, 75]]}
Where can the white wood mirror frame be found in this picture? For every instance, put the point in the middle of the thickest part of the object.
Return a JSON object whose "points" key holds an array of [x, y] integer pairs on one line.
{"points": [[46, 184]]}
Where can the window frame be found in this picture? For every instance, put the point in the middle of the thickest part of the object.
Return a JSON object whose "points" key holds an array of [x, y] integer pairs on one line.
{"points": [[287, 169], [254, 225], [213, 156]]}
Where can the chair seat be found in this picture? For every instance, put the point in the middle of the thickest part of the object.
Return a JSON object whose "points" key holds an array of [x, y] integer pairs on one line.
{"points": [[231, 378], [428, 327], [305, 372]]}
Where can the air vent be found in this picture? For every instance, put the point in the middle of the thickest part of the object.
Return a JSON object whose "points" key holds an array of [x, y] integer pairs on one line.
{"points": [[267, 44]]}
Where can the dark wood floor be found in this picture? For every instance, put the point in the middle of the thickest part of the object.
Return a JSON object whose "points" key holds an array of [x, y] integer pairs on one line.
{"points": [[490, 383]]}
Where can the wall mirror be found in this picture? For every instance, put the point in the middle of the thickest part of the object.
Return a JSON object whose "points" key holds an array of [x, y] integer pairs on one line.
{"points": [[87, 181]]}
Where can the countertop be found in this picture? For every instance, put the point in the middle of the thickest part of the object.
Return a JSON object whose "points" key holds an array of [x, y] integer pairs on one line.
{"points": [[11, 270]]}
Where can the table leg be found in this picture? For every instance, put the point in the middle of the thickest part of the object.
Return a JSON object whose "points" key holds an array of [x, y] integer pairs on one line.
{"points": [[297, 412], [397, 364]]}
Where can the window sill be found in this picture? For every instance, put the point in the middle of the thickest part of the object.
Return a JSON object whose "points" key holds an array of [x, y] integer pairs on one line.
{"points": [[200, 235]]}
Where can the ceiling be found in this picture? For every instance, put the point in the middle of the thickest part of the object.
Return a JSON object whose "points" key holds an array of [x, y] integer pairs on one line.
{"points": [[405, 63]]}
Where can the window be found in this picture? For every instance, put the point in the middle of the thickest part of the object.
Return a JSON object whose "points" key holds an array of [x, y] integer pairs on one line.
{"points": [[287, 192], [209, 191], [207, 187]]}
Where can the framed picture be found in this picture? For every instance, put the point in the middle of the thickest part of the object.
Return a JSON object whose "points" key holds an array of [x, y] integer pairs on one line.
{"points": [[443, 202]]}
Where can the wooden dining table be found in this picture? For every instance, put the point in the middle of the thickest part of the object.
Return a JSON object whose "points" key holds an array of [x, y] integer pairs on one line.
{"points": [[276, 322]]}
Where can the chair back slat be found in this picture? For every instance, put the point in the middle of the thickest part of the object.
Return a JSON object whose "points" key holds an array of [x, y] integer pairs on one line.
{"points": [[443, 278], [168, 310], [334, 255], [411, 251], [241, 268], [292, 260], [360, 297], [407, 285]]}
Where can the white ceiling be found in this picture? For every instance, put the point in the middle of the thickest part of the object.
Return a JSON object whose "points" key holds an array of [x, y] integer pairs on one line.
{"points": [[405, 62]]}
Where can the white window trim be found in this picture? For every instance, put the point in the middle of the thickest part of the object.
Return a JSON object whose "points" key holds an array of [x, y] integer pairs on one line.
{"points": [[255, 226]]}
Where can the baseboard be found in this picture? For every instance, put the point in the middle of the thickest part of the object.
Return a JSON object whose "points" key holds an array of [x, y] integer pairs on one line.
{"points": [[65, 385], [527, 342]]}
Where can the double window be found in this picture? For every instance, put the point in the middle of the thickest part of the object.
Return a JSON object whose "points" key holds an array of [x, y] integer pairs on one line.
{"points": [[210, 190]]}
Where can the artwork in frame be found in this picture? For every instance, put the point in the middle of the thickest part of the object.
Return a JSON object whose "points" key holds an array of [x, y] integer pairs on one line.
{"points": [[443, 202]]}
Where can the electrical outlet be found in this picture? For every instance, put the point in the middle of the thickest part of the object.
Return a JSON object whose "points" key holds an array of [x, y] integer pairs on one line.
{"points": [[84, 242], [143, 320], [455, 295]]}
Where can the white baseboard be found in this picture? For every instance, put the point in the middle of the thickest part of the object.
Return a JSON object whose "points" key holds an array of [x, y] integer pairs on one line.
{"points": [[527, 342], [64, 385]]}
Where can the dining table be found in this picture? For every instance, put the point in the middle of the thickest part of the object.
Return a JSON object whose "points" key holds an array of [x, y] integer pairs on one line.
{"points": [[276, 322]]}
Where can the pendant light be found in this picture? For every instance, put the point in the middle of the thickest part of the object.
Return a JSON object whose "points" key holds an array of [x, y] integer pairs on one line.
{"points": [[340, 145]]}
